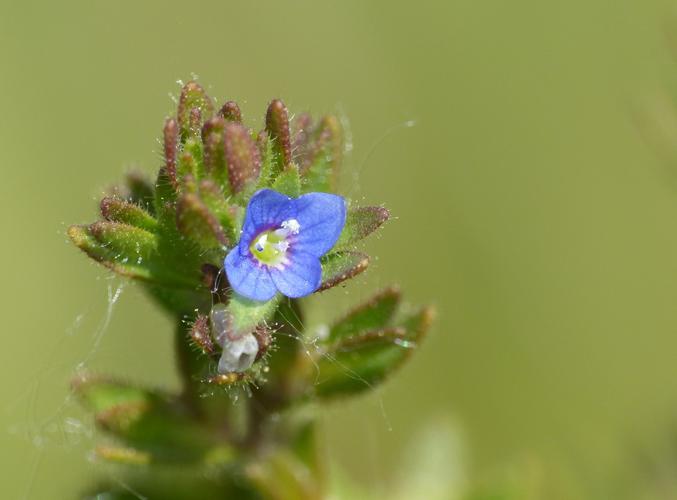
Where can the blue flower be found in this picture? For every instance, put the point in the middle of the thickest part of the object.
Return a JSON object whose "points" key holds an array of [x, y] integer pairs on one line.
{"points": [[281, 243]]}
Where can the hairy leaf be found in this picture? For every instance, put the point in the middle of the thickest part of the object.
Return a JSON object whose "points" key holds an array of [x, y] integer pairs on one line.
{"points": [[288, 182], [340, 266], [139, 190], [117, 210], [373, 314], [126, 242], [357, 363], [196, 221], [147, 420], [360, 223]]}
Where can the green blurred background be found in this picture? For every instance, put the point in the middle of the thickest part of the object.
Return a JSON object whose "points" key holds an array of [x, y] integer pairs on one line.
{"points": [[528, 209]]}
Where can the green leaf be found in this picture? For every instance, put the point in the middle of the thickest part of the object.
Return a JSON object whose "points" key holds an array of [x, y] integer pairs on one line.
{"points": [[140, 191], [128, 243], [213, 197], [340, 266], [373, 314], [147, 420], [288, 182], [354, 364], [282, 476], [197, 222], [265, 147], [165, 197], [130, 263], [360, 223], [83, 238], [359, 363], [102, 393], [117, 210], [191, 159]]}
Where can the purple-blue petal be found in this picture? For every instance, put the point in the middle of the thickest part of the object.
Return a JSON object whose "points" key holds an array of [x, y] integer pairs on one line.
{"points": [[321, 217], [267, 209], [248, 279], [300, 277]]}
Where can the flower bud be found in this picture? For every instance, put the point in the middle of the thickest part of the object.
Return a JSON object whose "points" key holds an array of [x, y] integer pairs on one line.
{"points": [[230, 111], [277, 125], [193, 97], [117, 210], [242, 157], [196, 221], [171, 143]]}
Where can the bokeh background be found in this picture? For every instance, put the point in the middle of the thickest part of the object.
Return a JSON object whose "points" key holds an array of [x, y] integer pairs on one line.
{"points": [[529, 209]]}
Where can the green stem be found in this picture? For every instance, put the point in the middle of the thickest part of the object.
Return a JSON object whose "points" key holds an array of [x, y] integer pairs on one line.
{"points": [[189, 366]]}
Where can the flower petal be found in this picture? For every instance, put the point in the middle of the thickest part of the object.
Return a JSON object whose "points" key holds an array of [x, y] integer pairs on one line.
{"points": [[248, 279], [301, 277], [266, 210], [321, 217]]}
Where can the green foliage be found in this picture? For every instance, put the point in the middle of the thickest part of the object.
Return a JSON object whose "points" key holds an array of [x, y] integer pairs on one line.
{"points": [[171, 236], [341, 266], [370, 315], [367, 346], [360, 223], [155, 427], [288, 182]]}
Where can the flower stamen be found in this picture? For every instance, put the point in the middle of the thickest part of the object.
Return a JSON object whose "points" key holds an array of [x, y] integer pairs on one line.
{"points": [[270, 247]]}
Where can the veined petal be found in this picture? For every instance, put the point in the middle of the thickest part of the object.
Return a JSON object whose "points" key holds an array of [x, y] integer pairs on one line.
{"points": [[267, 209], [247, 278], [321, 217], [300, 277]]}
